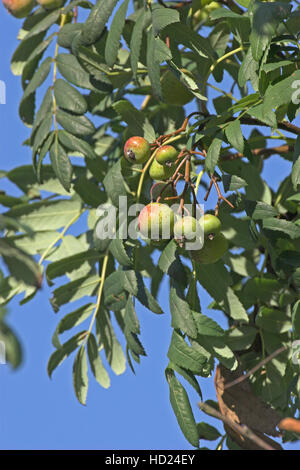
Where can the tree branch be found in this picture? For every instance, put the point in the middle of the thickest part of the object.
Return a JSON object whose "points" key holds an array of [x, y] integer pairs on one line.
{"points": [[267, 152], [243, 430]]}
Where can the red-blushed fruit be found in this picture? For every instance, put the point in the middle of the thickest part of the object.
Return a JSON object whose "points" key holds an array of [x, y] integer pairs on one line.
{"points": [[137, 150], [213, 250], [51, 4], [211, 225], [163, 190], [166, 155], [160, 172], [19, 8], [156, 222]]}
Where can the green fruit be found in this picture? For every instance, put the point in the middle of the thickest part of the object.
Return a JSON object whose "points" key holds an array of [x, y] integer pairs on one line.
{"points": [[166, 154], [202, 14], [212, 251], [137, 150], [186, 229], [158, 190], [173, 91], [19, 8], [160, 172], [156, 222], [51, 4], [210, 225]]}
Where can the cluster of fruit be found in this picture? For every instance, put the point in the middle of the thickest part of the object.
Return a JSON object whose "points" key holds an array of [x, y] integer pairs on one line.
{"points": [[157, 222]]}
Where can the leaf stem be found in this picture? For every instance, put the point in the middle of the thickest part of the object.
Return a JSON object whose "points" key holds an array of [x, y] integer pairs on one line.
{"points": [[100, 291], [61, 235]]}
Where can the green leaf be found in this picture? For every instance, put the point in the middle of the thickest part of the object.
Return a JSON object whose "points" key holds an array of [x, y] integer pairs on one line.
{"points": [[183, 34], [207, 432], [130, 318], [21, 266], [38, 78], [75, 266], [78, 125], [273, 320], [74, 290], [62, 353], [280, 93], [162, 17], [146, 298], [216, 280], [46, 215], [118, 251], [296, 318], [80, 376], [112, 347], [73, 143], [153, 66], [192, 296], [71, 320], [136, 121], [185, 356], [234, 135], [233, 182], [67, 34], [70, 68], [96, 364], [13, 348], [114, 183], [114, 34], [95, 24], [289, 228], [239, 338], [265, 18], [181, 313], [169, 262], [187, 375], [44, 24], [61, 164], [136, 41], [206, 326], [23, 52], [213, 154], [183, 411], [260, 210], [68, 98], [295, 176]]}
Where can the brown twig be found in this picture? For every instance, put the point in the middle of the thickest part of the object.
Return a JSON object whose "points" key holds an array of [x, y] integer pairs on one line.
{"points": [[243, 430], [267, 152], [75, 14], [257, 367], [286, 126], [220, 197]]}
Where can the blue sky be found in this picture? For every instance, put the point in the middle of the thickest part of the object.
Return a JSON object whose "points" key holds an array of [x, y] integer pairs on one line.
{"points": [[38, 413]]}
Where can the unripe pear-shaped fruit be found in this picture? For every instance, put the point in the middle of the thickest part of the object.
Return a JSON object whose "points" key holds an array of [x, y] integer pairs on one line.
{"points": [[213, 250], [163, 190], [160, 172], [137, 150], [19, 8], [156, 221], [51, 4], [211, 225], [186, 229], [166, 155], [174, 92]]}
